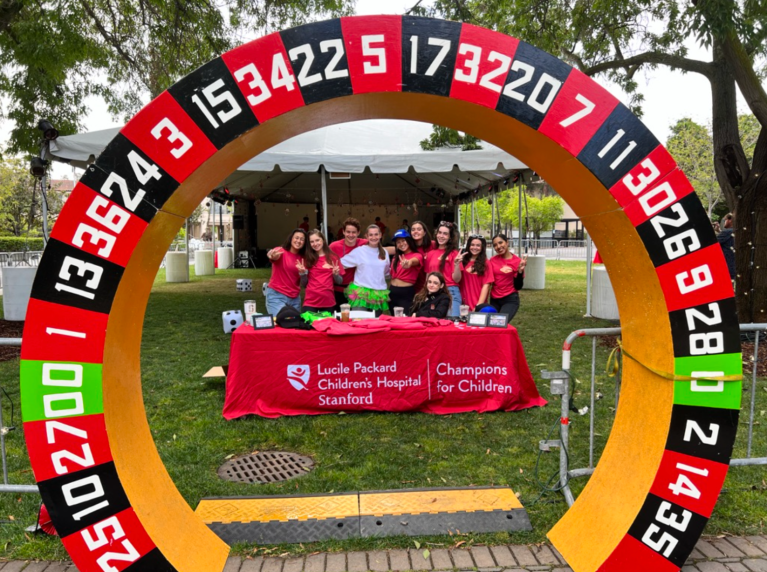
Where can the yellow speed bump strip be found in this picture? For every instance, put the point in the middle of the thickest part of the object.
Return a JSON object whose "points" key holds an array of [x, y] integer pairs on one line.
{"points": [[281, 519]]}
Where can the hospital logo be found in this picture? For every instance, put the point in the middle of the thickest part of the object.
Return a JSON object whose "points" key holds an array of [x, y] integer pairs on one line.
{"points": [[298, 376]]}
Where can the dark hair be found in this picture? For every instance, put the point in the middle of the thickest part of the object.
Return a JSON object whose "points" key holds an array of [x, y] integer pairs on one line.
{"points": [[503, 237], [286, 244], [421, 297], [426, 241], [381, 251], [727, 220], [352, 221], [306, 218], [312, 257], [411, 245], [451, 243], [481, 261]]}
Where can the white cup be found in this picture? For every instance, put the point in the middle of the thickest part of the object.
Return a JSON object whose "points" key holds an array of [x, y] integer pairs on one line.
{"points": [[399, 312]]}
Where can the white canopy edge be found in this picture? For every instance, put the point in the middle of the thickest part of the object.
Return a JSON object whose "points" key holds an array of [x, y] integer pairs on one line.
{"points": [[383, 145]]}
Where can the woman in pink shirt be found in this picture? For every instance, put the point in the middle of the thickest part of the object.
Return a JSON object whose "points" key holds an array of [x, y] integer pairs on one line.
{"points": [[405, 268], [320, 271], [422, 238], [446, 259], [476, 275], [284, 285], [508, 277]]}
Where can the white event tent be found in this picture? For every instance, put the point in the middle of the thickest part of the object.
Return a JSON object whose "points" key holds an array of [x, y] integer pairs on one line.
{"points": [[361, 168]]}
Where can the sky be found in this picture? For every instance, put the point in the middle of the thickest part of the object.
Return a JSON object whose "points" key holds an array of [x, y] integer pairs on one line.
{"points": [[669, 95]]}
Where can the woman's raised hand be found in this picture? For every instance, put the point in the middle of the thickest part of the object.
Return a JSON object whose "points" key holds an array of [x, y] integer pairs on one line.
{"points": [[522, 264], [300, 266], [404, 262], [336, 269]]}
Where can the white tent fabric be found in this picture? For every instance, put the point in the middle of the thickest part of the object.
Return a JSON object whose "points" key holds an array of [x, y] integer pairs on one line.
{"points": [[383, 146]]}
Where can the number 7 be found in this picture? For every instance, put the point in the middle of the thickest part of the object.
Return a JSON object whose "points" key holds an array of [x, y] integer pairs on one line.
{"points": [[588, 107]]}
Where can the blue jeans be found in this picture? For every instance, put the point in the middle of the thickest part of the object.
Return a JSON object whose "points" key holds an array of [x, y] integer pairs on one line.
{"points": [[275, 301], [455, 309]]}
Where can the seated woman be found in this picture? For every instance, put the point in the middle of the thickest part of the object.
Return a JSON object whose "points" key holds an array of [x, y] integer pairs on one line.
{"points": [[508, 277], [320, 271], [284, 285], [434, 300], [476, 273], [368, 290], [405, 268]]}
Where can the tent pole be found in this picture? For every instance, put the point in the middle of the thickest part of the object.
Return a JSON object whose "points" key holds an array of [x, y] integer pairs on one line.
{"points": [[324, 204], [473, 214], [492, 209], [457, 217], [589, 262]]}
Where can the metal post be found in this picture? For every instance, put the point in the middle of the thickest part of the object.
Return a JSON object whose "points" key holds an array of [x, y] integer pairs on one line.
{"points": [[591, 412], [492, 210], [589, 258], [324, 187], [473, 211], [564, 429], [212, 216], [44, 152], [457, 217]]}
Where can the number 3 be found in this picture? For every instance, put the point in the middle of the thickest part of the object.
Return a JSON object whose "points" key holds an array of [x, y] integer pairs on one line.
{"points": [[173, 136]]}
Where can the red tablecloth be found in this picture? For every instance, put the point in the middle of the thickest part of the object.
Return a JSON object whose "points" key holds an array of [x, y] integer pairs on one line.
{"points": [[443, 369]]}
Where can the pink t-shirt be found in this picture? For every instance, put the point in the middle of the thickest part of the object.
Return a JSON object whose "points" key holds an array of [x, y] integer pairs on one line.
{"points": [[471, 284], [285, 279], [422, 274], [504, 272], [411, 274], [340, 249], [433, 263], [319, 288]]}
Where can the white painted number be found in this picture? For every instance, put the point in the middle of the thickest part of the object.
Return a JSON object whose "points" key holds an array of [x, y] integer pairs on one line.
{"points": [[444, 49], [700, 278], [214, 100], [471, 63], [173, 135], [527, 75], [130, 202], [256, 83], [337, 45], [665, 544], [588, 107], [643, 179], [368, 50], [693, 427], [68, 333], [670, 519], [611, 143]]}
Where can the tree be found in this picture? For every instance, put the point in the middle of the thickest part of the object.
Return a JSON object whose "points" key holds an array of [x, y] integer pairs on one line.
{"points": [[20, 201], [446, 137], [620, 38], [692, 147], [539, 214], [55, 54]]}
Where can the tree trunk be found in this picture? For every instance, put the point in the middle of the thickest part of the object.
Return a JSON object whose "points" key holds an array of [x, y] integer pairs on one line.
{"points": [[745, 193]]}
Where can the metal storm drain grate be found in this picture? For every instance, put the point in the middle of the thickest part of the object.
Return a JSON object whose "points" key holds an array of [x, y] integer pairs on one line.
{"points": [[265, 467]]}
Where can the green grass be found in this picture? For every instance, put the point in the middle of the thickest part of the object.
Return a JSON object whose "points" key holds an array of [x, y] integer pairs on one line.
{"points": [[183, 339]]}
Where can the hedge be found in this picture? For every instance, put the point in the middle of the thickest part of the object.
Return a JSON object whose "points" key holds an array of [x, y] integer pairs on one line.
{"points": [[20, 243]]}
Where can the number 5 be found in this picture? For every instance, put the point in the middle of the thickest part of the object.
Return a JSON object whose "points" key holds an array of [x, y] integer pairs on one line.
{"points": [[380, 53], [174, 135]]}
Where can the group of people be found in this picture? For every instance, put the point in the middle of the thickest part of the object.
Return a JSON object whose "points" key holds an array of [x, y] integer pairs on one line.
{"points": [[427, 278]]}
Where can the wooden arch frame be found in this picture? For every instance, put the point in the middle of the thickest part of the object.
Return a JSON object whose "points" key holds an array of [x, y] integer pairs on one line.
{"points": [[99, 473]]}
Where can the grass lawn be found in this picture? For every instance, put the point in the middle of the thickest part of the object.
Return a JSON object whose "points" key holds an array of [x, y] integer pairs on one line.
{"points": [[183, 338]]}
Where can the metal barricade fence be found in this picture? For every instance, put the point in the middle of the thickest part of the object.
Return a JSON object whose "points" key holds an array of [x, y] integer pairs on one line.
{"points": [[561, 385]]}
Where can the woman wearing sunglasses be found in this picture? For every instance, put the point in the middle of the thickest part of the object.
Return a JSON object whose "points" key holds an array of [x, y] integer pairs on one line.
{"points": [[508, 277], [476, 275], [446, 259]]}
